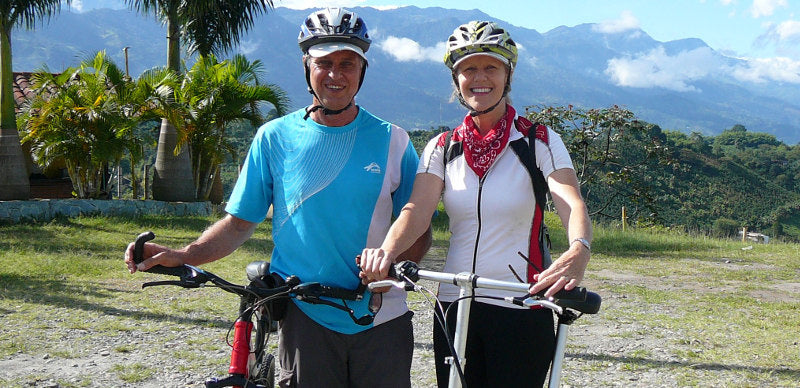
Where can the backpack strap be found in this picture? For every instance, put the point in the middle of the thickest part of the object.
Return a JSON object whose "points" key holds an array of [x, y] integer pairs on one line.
{"points": [[451, 149], [526, 152], [539, 244]]}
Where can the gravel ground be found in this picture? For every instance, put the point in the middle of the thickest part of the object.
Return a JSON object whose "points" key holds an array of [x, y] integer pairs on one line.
{"points": [[601, 350]]}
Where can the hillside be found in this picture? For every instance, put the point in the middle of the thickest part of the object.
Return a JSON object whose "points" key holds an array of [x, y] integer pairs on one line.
{"points": [[406, 82], [709, 188]]}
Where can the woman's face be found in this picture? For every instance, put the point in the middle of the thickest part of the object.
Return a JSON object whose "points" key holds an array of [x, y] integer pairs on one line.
{"points": [[481, 81]]}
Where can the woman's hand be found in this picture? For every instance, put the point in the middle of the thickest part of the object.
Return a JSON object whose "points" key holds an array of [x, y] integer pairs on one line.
{"points": [[374, 264], [565, 273]]}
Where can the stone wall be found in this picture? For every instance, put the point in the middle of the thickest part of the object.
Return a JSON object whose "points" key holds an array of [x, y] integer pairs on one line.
{"points": [[48, 209]]}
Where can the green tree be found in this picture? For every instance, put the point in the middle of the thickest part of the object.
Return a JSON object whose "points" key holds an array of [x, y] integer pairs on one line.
{"points": [[617, 157], [14, 182], [86, 115], [209, 27], [215, 95]]}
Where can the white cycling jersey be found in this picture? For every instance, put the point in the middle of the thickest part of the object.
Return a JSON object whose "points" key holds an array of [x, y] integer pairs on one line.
{"points": [[490, 218]]}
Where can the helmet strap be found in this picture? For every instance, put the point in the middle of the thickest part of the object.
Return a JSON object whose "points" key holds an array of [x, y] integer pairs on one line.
{"points": [[328, 112]]}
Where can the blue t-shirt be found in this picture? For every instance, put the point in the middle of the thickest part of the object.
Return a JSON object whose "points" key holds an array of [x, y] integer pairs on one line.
{"points": [[333, 191]]}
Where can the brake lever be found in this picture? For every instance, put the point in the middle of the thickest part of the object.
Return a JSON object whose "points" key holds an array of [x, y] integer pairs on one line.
{"points": [[180, 283]]}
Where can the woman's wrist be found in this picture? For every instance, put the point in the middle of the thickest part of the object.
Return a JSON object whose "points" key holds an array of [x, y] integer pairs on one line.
{"points": [[583, 242]]}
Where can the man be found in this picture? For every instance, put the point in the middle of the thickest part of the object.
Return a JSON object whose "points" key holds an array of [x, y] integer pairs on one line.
{"points": [[334, 175]]}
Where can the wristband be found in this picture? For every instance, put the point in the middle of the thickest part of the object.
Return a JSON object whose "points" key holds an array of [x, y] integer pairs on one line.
{"points": [[583, 241]]}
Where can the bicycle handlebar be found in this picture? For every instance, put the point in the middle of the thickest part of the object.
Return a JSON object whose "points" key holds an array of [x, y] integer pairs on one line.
{"points": [[194, 277], [578, 299]]}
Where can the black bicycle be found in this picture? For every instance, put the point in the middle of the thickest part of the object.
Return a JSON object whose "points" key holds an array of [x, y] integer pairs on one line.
{"points": [[263, 303]]}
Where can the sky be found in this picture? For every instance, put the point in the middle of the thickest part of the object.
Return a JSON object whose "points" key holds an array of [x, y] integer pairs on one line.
{"points": [[739, 28], [765, 33]]}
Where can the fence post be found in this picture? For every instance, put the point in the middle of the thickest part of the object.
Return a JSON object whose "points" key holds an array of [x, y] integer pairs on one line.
{"points": [[624, 219], [146, 179], [119, 182], [744, 233]]}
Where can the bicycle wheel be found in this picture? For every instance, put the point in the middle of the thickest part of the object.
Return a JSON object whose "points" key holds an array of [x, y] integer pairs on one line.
{"points": [[262, 365], [264, 371]]}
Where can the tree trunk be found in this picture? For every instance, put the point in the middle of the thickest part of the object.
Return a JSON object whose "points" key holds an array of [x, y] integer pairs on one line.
{"points": [[172, 176], [216, 196], [14, 181], [14, 176]]}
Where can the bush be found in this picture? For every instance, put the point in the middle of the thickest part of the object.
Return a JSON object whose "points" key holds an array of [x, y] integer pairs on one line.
{"points": [[725, 227]]}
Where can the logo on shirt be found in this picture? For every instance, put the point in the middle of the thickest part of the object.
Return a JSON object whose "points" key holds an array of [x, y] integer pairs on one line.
{"points": [[373, 168]]}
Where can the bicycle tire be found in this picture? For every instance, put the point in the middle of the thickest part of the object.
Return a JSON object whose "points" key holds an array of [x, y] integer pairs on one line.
{"points": [[264, 373], [262, 370]]}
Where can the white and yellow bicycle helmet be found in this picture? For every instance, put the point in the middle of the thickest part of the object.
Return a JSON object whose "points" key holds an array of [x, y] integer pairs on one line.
{"points": [[480, 38]]}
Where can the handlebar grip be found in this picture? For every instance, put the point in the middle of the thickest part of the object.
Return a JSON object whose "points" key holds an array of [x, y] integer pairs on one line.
{"points": [[138, 245], [138, 256], [577, 293], [589, 305]]}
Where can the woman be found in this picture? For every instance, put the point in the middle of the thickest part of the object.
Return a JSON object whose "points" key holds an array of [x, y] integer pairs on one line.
{"points": [[488, 195]]}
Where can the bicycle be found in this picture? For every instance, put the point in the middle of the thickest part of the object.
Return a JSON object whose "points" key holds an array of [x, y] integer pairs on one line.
{"points": [[564, 303], [262, 304]]}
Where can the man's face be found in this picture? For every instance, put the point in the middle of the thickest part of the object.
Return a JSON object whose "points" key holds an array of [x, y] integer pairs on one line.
{"points": [[335, 77]]}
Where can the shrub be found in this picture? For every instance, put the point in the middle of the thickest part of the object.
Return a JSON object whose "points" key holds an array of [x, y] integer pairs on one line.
{"points": [[725, 227]]}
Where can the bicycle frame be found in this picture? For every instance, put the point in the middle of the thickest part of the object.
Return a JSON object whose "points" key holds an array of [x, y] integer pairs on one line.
{"points": [[255, 296], [578, 299]]}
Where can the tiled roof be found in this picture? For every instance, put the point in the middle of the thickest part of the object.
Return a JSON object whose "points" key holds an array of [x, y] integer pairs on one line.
{"points": [[23, 88]]}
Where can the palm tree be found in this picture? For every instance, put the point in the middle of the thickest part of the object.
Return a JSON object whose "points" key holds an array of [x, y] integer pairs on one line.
{"points": [[209, 27], [217, 94], [87, 117], [14, 182]]}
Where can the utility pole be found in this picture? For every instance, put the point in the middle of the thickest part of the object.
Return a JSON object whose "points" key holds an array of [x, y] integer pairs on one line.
{"points": [[127, 72]]}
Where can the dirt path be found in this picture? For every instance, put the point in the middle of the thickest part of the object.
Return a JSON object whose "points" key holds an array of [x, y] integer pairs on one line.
{"points": [[602, 350]]}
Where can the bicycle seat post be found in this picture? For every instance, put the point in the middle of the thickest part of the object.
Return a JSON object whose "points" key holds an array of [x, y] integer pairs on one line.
{"points": [[465, 281]]}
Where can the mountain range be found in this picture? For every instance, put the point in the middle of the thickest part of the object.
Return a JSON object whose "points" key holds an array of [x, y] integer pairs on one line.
{"points": [[680, 85]]}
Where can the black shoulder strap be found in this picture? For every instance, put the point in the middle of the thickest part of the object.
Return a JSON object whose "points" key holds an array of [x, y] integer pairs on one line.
{"points": [[526, 151], [451, 149]]}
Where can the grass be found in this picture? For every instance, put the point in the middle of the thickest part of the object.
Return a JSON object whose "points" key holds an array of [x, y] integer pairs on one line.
{"points": [[723, 308]]}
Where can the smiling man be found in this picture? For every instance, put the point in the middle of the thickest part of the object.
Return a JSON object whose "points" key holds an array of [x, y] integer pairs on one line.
{"points": [[335, 176]]}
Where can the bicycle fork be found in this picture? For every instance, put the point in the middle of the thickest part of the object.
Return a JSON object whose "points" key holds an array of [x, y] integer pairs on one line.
{"points": [[242, 329]]}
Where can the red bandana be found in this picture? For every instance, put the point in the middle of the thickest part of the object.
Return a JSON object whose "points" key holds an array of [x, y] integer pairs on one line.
{"points": [[481, 152]]}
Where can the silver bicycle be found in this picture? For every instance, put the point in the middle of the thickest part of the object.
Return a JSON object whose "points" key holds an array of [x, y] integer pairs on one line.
{"points": [[568, 306]]}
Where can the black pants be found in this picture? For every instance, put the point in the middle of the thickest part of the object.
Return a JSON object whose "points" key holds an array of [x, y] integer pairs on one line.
{"points": [[506, 347]]}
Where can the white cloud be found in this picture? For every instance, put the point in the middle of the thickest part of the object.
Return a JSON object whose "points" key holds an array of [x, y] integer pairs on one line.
{"points": [[77, 6], [657, 69], [766, 7], [788, 31], [625, 22], [248, 47], [785, 36], [316, 4], [768, 69], [405, 50], [306, 4]]}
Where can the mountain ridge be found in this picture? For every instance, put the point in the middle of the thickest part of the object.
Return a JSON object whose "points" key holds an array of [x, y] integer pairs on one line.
{"points": [[563, 66]]}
